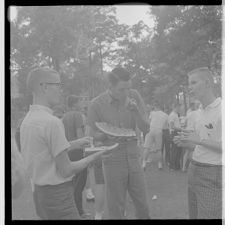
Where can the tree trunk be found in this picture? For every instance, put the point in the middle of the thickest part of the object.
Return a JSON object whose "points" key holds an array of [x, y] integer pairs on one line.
{"points": [[100, 51], [177, 98], [185, 102], [79, 43], [90, 75], [55, 62]]}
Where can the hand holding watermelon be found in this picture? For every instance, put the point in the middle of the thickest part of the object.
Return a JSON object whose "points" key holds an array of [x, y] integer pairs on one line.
{"points": [[120, 139], [113, 133]]}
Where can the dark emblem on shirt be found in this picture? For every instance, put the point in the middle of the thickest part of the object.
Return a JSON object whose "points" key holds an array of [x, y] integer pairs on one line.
{"points": [[209, 126]]}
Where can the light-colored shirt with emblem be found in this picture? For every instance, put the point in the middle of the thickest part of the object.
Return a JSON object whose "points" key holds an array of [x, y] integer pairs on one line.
{"points": [[42, 137], [191, 119], [209, 127]]}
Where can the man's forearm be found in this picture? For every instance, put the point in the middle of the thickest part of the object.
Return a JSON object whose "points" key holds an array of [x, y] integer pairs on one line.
{"points": [[77, 166]]}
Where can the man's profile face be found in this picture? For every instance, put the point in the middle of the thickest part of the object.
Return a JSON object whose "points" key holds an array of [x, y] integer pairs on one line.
{"points": [[197, 85], [121, 90], [53, 92]]}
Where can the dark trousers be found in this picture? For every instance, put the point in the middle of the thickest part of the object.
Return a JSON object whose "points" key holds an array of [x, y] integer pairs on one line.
{"points": [[166, 142], [55, 202], [176, 153], [122, 177], [79, 180]]}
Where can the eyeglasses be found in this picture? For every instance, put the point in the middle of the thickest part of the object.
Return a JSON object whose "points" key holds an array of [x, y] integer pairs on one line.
{"points": [[56, 84]]}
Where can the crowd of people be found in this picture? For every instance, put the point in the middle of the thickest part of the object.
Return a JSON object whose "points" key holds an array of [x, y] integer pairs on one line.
{"points": [[51, 143], [163, 128]]}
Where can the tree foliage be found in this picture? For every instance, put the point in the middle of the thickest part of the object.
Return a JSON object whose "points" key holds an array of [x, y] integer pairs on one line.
{"points": [[183, 38], [65, 38], [79, 41]]}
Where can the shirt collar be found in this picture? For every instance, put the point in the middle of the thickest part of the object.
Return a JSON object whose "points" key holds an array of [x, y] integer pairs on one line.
{"points": [[40, 107], [215, 103]]}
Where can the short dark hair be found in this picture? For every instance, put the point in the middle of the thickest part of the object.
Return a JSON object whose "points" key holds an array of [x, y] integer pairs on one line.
{"points": [[118, 74], [71, 100]]}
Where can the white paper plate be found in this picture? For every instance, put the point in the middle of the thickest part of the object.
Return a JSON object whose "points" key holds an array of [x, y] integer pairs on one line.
{"points": [[101, 148]]}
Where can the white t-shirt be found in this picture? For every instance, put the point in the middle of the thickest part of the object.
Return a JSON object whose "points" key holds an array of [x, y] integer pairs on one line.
{"points": [[173, 117], [209, 127], [158, 119]]}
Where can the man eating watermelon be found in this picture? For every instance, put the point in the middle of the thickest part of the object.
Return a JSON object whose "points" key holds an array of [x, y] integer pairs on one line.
{"points": [[121, 107]]}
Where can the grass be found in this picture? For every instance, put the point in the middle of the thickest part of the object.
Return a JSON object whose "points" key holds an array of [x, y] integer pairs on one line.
{"points": [[170, 188]]}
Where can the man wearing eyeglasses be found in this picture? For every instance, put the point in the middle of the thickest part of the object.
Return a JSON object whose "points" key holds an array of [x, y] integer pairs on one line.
{"points": [[45, 149]]}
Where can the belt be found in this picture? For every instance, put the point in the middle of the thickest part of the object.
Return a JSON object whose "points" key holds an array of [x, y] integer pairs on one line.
{"points": [[204, 164], [127, 139]]}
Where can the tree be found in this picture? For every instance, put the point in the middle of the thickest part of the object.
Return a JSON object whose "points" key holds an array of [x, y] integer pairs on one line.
{"points": [[186, 38], [62, 37], [79, 41]]}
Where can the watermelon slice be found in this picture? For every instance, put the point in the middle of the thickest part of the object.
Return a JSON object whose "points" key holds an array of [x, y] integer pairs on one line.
{"points": [[115, 131]]}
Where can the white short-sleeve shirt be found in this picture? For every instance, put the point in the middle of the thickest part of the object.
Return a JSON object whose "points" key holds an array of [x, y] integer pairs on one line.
{"points": [[158, 119], [42, 137], [209, 127]]}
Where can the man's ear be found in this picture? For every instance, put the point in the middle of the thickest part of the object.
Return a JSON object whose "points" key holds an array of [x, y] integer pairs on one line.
{"points": [[43, 88], [208, 83]]}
